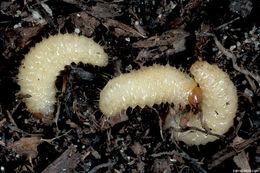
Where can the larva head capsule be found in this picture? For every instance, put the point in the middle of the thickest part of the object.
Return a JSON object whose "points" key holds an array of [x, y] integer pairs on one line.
{"points": [[195, 97]]}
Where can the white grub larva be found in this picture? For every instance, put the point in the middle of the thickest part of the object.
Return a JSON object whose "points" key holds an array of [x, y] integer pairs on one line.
{"points": [[43, 63], [219, 104], [156, 84], [147, 86]]}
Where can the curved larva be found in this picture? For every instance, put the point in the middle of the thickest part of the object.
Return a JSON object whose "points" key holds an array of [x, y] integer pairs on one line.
{"points": [[156, 84], [219, 104], [147, 86], [42, 65]]}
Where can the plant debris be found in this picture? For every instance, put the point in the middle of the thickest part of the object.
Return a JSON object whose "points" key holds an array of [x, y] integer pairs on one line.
{"points": [[134, 33], [66, 162], [27, 147]]}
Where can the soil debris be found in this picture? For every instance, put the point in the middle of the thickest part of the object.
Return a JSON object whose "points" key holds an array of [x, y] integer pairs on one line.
{"points": [[67, 161], [27, 146], [133, 33]]}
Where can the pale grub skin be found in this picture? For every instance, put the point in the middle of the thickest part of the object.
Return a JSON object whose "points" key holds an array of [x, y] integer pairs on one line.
{"points": [[43, 63]]}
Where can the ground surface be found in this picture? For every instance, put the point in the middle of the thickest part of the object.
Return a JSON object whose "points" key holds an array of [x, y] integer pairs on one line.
{"points": [[81, 139]]}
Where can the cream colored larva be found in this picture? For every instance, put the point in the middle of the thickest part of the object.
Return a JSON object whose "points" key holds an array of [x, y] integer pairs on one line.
{"points": [[43, 63], [147, 86], [156, 84], [219, 104]]}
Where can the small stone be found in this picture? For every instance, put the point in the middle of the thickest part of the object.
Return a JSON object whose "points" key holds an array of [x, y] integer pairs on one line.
{"points": [[249, 92], [233, 47], [18, 25], [238, 44], [2, 168], [214, 49], [244, 82], [77, 30], [127, 39]]}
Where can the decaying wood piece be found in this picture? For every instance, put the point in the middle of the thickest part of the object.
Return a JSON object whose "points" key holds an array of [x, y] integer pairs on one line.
{"points": [[66, 162], [232, 150], [121, 29], [170, 42]]}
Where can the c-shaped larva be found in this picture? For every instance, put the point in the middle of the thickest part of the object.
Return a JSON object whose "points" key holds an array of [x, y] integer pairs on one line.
{"points": [[42, 65], [157, 84]]}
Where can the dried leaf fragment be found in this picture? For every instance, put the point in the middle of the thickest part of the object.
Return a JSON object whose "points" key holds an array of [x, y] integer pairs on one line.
{"points": [[27, 146], [138, 149], [241, 161]]}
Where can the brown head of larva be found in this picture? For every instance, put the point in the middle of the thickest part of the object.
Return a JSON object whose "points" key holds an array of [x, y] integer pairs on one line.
{"points": [[195, 97]]}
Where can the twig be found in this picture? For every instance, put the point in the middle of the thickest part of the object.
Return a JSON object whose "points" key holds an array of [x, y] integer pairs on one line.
{"points": [[230, 151], [234, 61], [13, 126], [187, 128], [10, 115], [2, 143], [2, 122], [117, 24], [57, 137], [56, 118], [205, 131], [11, 119], [239, 123], [193, 162], [103, 165], [170, 153], [225, 24], [190, 160]]}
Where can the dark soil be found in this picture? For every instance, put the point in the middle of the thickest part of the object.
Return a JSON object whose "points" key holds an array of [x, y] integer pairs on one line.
{"points": [[82, 139]]}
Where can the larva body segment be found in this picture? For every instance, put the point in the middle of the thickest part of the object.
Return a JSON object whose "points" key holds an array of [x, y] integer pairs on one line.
{"points": [[147, 86], [219, 104], [42, 65]]}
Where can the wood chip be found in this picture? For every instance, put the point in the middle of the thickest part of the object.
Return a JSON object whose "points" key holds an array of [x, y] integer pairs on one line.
{"points": [[241, 161], [138, 149], [85, 23], [122, 29], [172, 38], [105, 10], [107, 123], [66, 163], [169, 43], [2, 122], [16, 40], [239, 144]]}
